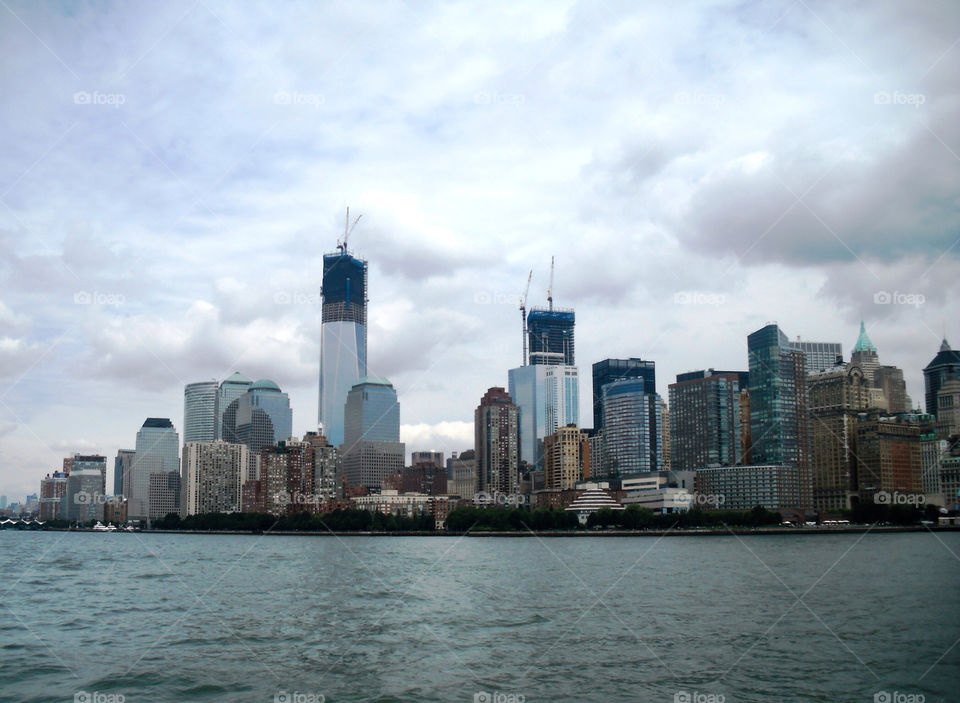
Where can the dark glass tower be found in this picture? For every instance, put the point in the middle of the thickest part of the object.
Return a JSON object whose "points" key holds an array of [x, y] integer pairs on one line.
{"points": [[778, 399], [343, 337], [610, 370], [550, 335], [945, 365]]}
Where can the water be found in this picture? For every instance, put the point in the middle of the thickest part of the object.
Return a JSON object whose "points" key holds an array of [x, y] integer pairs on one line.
{"points": [[263, 618]]}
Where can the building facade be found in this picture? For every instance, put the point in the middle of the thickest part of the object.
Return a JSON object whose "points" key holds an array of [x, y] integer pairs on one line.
{"points": [[230, 390], [945, 365], [122, 463], [745, 487], [705, 419], [548, 397], [157, 451], [212, 477], [610, 370], [567, 458], [497, 443], [343, 338], [631, 428], [200, 413], [371, 448]]}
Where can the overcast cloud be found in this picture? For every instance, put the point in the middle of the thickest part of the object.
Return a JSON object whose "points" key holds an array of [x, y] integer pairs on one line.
{"points": [[173, 172]]}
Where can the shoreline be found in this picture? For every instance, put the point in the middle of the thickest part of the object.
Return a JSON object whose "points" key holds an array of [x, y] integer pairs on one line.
{"points": [[706, 532]]}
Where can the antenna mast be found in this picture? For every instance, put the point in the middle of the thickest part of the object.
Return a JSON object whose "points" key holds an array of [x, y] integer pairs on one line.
{"points": [[550, 287]]}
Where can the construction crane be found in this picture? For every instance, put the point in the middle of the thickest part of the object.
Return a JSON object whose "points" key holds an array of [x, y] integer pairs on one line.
{"points": [[550, 287], [523, 314], [347, 229]]}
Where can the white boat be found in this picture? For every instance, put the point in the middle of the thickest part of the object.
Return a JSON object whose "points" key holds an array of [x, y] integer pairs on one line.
{"points": [[99, 527]]}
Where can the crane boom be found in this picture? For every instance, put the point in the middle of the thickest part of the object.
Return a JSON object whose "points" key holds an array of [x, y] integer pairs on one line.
{"points": [[347, 229], [523, 314]]}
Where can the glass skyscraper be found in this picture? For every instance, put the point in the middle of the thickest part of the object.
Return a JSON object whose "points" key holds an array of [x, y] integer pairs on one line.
{"points": [[631, 428], [158, 451], [779, 426], [550, 336], [371, 448], [820, 356], [263, 417], [705, 419], [548, 398], [944, 366], [610, 370], [343, 338], [200, 411], [230, 390]]}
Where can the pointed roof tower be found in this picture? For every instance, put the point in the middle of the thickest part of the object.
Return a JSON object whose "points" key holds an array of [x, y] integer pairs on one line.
{"points": [[863, 341]]}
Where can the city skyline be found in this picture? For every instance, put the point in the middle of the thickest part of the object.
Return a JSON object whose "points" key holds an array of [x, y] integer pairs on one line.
{"points": [[684, 212]]}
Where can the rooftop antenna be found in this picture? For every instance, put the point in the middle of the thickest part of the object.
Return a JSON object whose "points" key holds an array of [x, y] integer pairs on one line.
{"points": [[550, 287], [347, 229], [523, 313]]}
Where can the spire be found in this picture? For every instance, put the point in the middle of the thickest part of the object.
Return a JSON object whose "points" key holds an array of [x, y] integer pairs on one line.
{"points": [[863, 341], [945, 345]]}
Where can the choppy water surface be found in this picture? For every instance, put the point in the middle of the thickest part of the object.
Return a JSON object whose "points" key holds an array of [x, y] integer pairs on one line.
{"points": [[93, 617]]}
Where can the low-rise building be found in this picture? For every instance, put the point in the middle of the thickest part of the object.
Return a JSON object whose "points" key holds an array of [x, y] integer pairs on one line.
{"points": [[772, 486]]}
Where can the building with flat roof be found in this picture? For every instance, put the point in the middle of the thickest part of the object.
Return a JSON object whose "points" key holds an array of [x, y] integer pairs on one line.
{"points": [[497, 443], [774, 487], [371, 448]]}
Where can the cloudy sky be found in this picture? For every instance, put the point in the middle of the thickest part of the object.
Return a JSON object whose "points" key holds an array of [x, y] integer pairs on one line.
{"points": [[173, 172]]}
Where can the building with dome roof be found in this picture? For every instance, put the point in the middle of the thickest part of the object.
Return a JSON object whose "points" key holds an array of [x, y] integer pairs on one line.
{"points": [[259, 418], [230, 389], [945, 365]]}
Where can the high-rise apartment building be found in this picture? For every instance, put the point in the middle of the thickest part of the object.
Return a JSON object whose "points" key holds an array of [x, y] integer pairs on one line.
{"points": [[888, 455], [83, 497], [371, 447], [945, 365], [705, 419], [52, 489], [212, 476], [497, 443], [343, 338], [91, 462], [566, 458], [200, 411], [157, 452]]}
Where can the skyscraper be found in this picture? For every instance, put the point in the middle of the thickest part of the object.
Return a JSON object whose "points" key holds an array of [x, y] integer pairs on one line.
{"points": [[610, 370], [157, 452], [945, 365], [779, 426], [343, 337], [91, 462], [200, 411], [631, 429], [212, 476], [259, 418], [550, 336], [371, 448], [496, 424], [548, 397], [705, 419], [566, 458], [122, 464], [820, 356], [230, 390]]}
